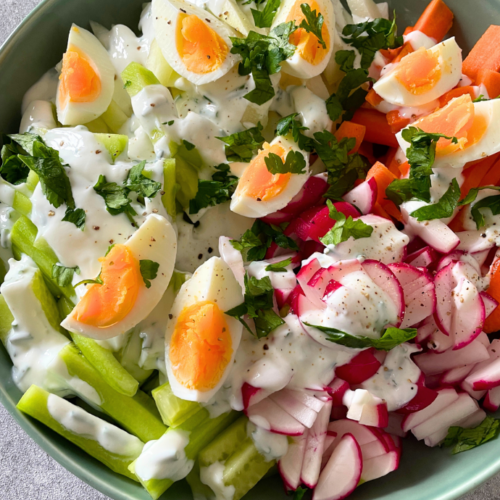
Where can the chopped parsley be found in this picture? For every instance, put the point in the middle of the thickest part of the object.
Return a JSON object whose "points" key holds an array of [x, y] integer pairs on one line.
{"points": [[149, 271], [279, 267], [443, 208], [391, 337], [258, 305], [289, 125], [76, 216], [313, 23], [264, 18], [142, 185], [295, 163], [188, 145], [116, 198], [243, 146], [299, 493], [62, 275], [466, 439]]}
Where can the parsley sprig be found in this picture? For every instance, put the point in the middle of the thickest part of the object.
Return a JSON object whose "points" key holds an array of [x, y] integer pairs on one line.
{"points": [[243, 146], [279, 267], [264, 18], [294, 163], [491, 202], [466, 439], [443, 208], [313, 23], [64, 275]]}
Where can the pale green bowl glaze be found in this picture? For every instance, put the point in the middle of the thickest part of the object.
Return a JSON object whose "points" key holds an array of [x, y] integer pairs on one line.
{"points": [[424, 474]]}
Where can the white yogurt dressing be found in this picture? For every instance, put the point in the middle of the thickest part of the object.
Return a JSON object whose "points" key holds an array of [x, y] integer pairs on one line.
{"points": [[82, 423], [213, 476], [271, 446]]}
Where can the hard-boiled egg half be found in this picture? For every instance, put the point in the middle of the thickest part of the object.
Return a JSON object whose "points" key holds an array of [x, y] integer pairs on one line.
{"points": [[124, 299], [259, 192], [423, 75], [201, 340], [310, 58], [87, 80], [474, 124], [193, 41]]}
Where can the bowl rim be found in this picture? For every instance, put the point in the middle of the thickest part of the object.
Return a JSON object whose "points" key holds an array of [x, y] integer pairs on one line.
{"points": [[76, 468]]}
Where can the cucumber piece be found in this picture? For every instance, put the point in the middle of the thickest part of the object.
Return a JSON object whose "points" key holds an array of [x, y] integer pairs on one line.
{"points": [[130, 355], [173, 410], [115, 144], [98, 126], [135, 414], [22, 204], [135, 77], [158, 65], [191, 156], [35, 403], [6, 319], [32, 180], [187, 179], [114, 117], [170, 187], [23, 237]]}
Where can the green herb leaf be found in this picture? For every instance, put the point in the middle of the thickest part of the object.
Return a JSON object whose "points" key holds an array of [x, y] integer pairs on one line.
{"points": [[149, 271], [115, 197], [313, 23], [97, 281], [279, 267], [299, 493], [289, 125], [391, 337], [243, 146], [264, 18], [491, 202], [214, 192], [399, 191], [189, 146], [443, 208], [467, 439], [77, 216], [295, 163], [64, 275], [258, 305], [344, 228], [136, 181], [13, 170]]}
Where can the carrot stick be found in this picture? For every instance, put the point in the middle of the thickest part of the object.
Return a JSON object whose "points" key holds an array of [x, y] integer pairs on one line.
{"points": [[491, 80], [407, 49], [383, 177], [474, 174], [396, 121], [458, 223], [366, 149], [351, 130], [492, 323], [378, 130], [408, 30], [485, 54], [456, 92], [378, 210], [392, 163], [492, 178], [373, 98], [435, 21], [392, 210], [404, 168]]}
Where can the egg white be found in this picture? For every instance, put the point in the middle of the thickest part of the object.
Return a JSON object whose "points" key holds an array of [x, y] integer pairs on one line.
{"points": [[155, 240], [249, 207], [213, 281], [78, 113], [450, 61], [296, 65], [165, 20], [488, 145]]}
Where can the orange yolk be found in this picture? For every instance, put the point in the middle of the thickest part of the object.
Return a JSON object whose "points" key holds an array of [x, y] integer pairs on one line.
{"points": [[260, 184], [419, 71], [107, 304], [456, 119], [201, 346], [201, 49], [307, 44], [79, 80]]}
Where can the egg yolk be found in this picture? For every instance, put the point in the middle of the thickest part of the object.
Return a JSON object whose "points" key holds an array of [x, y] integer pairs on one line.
{"points": [[107, 304], [308, 45], [260, 184], [419, 71], [201, 346], [456, 119], [202, 50], [79, 80]]}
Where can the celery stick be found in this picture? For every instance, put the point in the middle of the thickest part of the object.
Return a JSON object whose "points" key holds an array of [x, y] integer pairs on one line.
{"points": [[93, 411], [157, 64], [115, 144], [98, 126], [173, 410], [199, 490], [22, 204], [6, 319], [32, 180], [187, 178], [136, 77], [3, 271], [170, 187], [103, 441], [151, 384], [23, 236], [130, 355], [101, 359], [135, 414], [201, 430], [114, 117]]}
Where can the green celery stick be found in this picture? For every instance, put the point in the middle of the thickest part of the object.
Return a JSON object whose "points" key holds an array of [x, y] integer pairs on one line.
{"points": [[98, 126], [199, 489], [32, 181], [101, 359], [3, 271], [23, 237], [151, 384], [114, 117], [93, 411], [137, 415], [22, 204], [174, 411], [115, 144], [157, 64], [130, 355], [170, 187], [6, 319], [41, 405], [136, 77], [202, 430]]}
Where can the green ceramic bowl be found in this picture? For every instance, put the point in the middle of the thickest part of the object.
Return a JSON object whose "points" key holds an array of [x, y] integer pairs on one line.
{"points": [[424, 474]]}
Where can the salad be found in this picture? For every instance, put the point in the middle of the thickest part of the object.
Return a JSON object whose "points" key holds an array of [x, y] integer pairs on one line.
{"points": [[260, 238]]}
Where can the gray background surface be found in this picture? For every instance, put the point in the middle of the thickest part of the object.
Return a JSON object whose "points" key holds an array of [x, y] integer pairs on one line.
{"points": [[26, 471]]}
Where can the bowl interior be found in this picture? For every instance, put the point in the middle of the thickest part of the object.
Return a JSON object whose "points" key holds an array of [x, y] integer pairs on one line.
{"points": [[424, 473]]}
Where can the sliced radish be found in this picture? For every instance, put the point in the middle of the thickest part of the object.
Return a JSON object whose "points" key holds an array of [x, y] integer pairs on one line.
{"points": [[439, 342], [492, 400], [290, 465], [363, 196], [374, 449], [485, 375], [477, 395], [362, 367], [362, 433], [419, 305], [366, 408], [300, 412], [444, 285], [454, 256], [425, 330], [405, 273], [490, 304], [394, 428], [380, 466], [252, 395], [306, 399], [315, 447], [424, 398], [342, 473], [337, 389], [304, 277], [472, 241], [455, 375], [422, 258], [268, 415]]}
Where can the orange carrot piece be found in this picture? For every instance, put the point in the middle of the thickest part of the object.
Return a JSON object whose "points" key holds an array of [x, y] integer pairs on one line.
{"points": [[492, 178], [474, 174], [396, 121], [485, 54], [408, 30], [436, 20], [351, 130], [373, 98], [407, 49], [378, 130], [392, 210], [379, 210], [458, 223], [491, 80], [392, 163], [366, 149], [492, 323], [383, 177], [395, 55], [456, 92], [404, 168]]}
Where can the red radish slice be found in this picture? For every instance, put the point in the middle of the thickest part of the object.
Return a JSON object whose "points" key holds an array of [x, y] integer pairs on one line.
{"points": [[363, 196], [297, 410], [461, 408], [337, 389], [422, 258], [492, 400], [282, 295], [278, 218], [290, 465], [444, 285], [490, 304], [362, 367], [383, 277], [477, 395], [342, 473], [424, 398], [431, 363], [268, 415], [485, 375], [332, 287], [472, 241], [419, 305], [304, 276], [425, 330], [444, 398], [454, 256], [307, 400], [455, 376], [362, 433], [395, 425], [405, 273], [252, 395], [366, 408], [373, 449], [439, 342], [380, 466], [315, 447]]}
